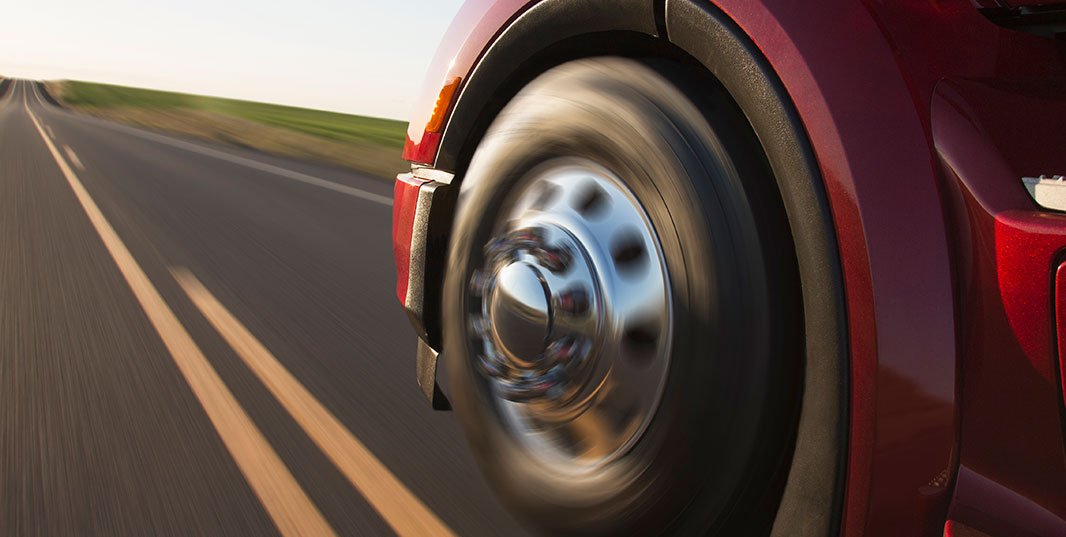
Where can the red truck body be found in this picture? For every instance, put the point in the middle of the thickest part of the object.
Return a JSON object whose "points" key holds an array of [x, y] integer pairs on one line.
{"points": [[923, 115]]}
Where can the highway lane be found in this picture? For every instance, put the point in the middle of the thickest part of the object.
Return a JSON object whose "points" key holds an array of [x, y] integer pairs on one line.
{"points": [[102, 432]]}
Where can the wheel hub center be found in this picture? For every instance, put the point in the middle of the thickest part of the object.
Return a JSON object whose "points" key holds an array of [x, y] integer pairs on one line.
{"points": [[570, 314], [521, 313]]}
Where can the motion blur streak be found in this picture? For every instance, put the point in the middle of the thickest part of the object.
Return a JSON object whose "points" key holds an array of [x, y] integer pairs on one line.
{"points": [[287, 504], [73, 158], [255, 165], [401, 509]]}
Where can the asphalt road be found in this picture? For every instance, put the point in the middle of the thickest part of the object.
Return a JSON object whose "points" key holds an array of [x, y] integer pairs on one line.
{"points": [[201, 340]]}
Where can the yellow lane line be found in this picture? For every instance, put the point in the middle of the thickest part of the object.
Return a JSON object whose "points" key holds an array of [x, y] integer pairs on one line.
{"points": [[284, 500], [401, 509]]}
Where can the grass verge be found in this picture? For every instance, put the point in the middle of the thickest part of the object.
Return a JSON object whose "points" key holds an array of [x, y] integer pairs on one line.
{"points": [[366, 144]]}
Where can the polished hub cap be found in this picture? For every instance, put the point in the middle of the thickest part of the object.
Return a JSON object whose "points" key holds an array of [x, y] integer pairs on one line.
{"points": [[520, 313], [572, 317]]}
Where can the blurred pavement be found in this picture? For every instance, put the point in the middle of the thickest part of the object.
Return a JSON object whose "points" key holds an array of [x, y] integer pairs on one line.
{"points": [[102, 432]]}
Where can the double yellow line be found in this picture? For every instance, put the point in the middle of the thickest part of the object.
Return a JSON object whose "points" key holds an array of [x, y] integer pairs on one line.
{"points": [[285, 501]]}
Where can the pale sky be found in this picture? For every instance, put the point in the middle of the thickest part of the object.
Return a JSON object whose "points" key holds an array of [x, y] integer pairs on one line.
{"points": [[358, 56]]}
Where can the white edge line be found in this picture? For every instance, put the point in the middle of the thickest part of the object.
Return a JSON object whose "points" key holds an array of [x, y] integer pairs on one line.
{"points": [[73, 157], [37, 94], [261, 166]]}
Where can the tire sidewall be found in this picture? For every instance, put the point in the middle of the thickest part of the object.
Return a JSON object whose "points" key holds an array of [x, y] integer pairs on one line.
{"points": [[697, 451]]}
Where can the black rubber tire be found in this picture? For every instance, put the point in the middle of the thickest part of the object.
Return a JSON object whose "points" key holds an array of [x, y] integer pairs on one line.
{"points": [[715, 455]]}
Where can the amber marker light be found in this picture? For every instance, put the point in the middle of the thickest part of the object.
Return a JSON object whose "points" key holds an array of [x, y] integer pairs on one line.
{"points": [[444, 99]]}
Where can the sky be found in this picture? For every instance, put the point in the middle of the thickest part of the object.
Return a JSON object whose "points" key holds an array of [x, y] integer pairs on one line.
{"points": [[358, 56]]}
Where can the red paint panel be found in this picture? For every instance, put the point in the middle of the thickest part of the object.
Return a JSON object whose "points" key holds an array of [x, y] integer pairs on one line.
{"points": [[473, 28], [1060, 320], [1010, 429], [869, 134], [862, 75], [953, 528], [425, 150], [1026, 246], [404, 204], [990, 133], [985, 507]]}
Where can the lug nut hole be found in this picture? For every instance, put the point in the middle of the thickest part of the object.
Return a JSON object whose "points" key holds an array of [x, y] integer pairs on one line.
{"points": [[628, 252], [591, 201]]}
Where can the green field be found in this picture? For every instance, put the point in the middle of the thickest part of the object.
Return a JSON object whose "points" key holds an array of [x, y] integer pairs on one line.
{"points": [[333, 125]]}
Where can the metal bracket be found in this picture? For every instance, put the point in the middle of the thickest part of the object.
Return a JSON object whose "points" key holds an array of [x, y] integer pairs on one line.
{"points": [[1047, 192], [426, 373]]}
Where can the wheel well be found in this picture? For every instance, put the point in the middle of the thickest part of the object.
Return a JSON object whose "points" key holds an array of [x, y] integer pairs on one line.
{"points": [[708, 45], [629, 44]]}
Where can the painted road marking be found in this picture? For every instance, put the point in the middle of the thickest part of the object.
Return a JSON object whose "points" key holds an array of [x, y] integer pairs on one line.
{"points": [[254, 164], [73, 157], [401, 509], [12, 88], [9, 97], [51, 134], [284, 500], [33, 88]]}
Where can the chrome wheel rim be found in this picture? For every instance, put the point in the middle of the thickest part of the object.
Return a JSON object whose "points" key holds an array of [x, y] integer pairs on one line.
{"points": [[570, 316]]}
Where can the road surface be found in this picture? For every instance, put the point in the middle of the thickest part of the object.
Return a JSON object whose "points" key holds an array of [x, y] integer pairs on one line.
{"points": [[202, 340]]}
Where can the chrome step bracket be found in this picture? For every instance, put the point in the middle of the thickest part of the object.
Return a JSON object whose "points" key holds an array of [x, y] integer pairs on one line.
{"points": [[1047, 192], [426, 374]]}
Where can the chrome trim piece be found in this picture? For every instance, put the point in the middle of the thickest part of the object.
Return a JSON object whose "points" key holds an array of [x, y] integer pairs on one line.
{"points": [[432, 174], [1047, 192], [426, 372]]}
